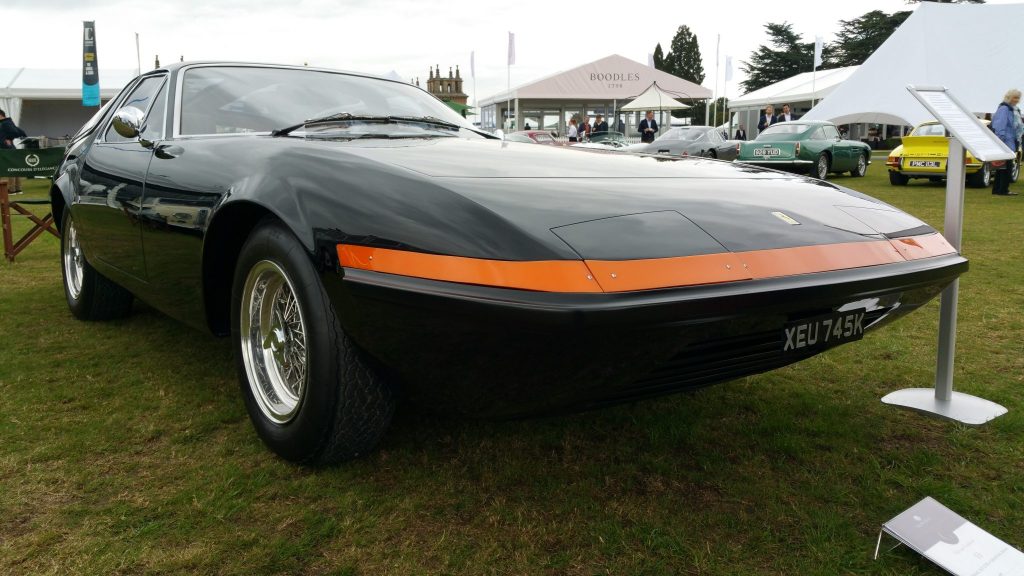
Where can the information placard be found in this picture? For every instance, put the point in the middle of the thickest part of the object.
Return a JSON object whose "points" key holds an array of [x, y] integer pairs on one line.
{"points": [[953, 543], [962, 123]]}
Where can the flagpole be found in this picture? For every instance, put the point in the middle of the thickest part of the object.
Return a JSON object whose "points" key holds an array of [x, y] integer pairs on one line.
{"points": [[725, 108], [818, 49], [508, 79], [714, 93], [138, 57]]}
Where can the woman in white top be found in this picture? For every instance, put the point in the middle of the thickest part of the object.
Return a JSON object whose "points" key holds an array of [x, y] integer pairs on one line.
{"points": [[572, 133]]}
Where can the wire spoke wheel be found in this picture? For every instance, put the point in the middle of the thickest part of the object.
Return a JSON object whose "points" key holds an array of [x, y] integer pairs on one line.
{"points": [[274, 346], [73, 268], [822, 167]]}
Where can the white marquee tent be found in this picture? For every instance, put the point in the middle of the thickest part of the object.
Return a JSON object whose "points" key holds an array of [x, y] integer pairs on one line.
{"points": [[800, 88], [48, 102], [654, 98], [969, 48]]}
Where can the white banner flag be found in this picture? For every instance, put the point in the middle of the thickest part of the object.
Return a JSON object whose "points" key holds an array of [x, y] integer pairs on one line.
{"points": [[472, 64], [728, 68], [511, 48], [650, 60], [817, 51]]}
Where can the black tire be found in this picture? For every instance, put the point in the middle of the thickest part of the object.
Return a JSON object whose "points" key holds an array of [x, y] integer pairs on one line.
{"points": [[711, 154], [821, 167], [982, 178], [90, 295], [862, 167], [345, 406], [897, 179]]}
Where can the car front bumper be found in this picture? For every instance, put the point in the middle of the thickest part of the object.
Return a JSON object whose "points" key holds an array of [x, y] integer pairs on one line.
{"points": [[497, 352]]}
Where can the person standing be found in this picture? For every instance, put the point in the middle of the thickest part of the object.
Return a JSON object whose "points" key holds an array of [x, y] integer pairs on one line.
{"points": [[1005, 123], [600, 125], [648, 128], [786, 115], [767, 118], [741, 134], [571, 131], [585, 129], [9, 132]]}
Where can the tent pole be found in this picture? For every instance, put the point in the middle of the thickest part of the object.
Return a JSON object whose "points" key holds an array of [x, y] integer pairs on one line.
{"points": [[814, 85]]}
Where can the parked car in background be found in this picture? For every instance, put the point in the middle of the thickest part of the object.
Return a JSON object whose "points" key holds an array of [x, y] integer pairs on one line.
{"points": [[610, 140], [924, 154], [535, 136], [813, 147], [704, 141], [358, 240]]}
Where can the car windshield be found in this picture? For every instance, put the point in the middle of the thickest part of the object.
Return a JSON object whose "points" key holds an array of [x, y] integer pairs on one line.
{"points": [[607, 137], [686, 134], [250, 99], [930, 130], [785, 132]]}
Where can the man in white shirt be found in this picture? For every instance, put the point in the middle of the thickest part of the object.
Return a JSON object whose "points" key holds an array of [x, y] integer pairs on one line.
{"points": [[786, 116]]}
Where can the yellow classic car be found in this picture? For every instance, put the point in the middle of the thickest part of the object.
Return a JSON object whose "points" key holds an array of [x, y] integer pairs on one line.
{"points": [[924, 152]]}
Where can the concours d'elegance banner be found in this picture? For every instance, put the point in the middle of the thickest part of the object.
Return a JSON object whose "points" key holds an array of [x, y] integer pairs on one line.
{"points": [[90, 67], [30, 162]]}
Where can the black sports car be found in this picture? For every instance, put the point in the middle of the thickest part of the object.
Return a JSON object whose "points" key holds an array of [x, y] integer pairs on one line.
{"points": [[358, 240]]}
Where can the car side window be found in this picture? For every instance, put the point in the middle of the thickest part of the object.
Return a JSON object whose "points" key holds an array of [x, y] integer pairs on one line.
{"points": [[831, 133], [142, 98], [818, 134], [156, 120]]}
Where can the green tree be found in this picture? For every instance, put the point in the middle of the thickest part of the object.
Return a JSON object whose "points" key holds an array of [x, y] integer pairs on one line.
{"points": [[784, 56], [719, 107], [659, 57], [683, 59], [859, 38]]}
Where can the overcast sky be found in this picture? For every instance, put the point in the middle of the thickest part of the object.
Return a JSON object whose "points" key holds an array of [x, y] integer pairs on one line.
{"points": [[408, 36]]}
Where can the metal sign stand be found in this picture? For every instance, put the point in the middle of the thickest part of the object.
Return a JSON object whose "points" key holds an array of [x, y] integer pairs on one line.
{"points": [[963, 127]]}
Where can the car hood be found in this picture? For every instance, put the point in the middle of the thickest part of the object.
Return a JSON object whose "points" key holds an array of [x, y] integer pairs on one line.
{"points": [[461, 158], [618, 206]]}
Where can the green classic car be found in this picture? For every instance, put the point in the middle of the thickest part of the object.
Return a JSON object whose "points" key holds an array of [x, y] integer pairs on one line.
{"points": [[806, 146]]}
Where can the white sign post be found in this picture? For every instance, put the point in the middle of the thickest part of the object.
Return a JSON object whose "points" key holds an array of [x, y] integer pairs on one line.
{"points": [[965, 131]]}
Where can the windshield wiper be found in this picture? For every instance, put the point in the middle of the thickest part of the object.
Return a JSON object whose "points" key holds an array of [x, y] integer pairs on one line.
{"points": [[345, 117]]}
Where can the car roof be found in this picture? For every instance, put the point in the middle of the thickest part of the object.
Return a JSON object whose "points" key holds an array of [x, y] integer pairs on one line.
{"points": [[175, 66]]}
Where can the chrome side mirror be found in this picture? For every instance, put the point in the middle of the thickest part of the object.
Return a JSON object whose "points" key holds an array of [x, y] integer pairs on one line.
{"points": [[128, 122]]}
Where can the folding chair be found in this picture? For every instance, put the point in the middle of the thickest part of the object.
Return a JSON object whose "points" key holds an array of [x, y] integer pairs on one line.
{"points": [[39, 225]]}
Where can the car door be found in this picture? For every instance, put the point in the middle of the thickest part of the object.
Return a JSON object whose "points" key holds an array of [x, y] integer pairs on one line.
{"points": [[185, 182], [842, 152], [110, 191]]}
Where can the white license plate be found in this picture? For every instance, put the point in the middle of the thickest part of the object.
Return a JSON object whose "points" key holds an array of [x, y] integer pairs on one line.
{"points": [[767, 151], [925, 163], [824, 331]]}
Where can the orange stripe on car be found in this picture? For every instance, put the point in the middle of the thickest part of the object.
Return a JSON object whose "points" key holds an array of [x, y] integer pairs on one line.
{"points": [[819, 258], [926, 246], [629, 275], [544, 276], [645, 274]]}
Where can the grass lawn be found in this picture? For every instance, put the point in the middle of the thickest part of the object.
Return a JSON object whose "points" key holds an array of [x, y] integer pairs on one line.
{"points": [[125, 449]]}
